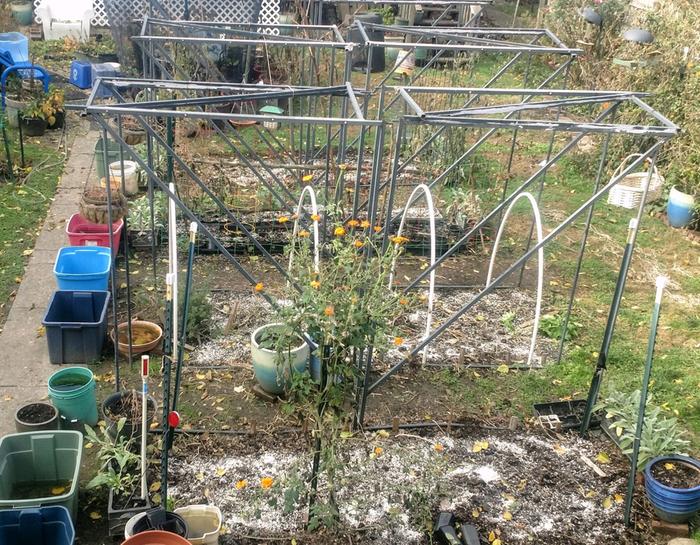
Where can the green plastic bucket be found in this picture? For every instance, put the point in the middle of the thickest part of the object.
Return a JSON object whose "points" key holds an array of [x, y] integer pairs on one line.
{"points": [[72, 391]]}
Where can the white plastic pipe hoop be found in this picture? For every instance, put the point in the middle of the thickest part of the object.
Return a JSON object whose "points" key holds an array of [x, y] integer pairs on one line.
{"points": [[314, 211], [540, 263], [431, 285], [172, 265]]}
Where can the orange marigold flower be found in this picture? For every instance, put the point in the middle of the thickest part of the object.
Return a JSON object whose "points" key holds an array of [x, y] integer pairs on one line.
{"points": [[438, 447], [377, 228], [378, 451], [398, 239], [329, 311], [266, 482], [403, 301], [358, 244], [343, 166], [364, 224], [283, 219], [398, 341], [339, 231], [241, 484], [259, 287], [353, 223], [303, 233], [315, 217], [315, 284], [307, 178]]}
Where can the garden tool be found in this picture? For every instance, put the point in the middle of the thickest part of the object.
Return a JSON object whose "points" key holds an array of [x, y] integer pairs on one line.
{"points": [[660, 285], [185, 312], [609, 327]]}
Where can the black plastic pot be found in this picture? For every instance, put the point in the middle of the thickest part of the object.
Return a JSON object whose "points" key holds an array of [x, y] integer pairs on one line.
{"points": [[25, 422], [33, 126], [117, 518], [132, 428], [160, 519], [60, 119]]}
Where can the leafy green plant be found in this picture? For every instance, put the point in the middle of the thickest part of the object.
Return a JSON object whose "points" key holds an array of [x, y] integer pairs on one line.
{"points": [[200, 321], [118, 464], [465, 205], [551, 326], [661, 433], [508, 321], [140, 213], [387, 13]]}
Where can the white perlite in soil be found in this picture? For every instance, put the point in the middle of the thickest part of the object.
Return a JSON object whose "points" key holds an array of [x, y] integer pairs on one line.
{"points": [[525, 489]]}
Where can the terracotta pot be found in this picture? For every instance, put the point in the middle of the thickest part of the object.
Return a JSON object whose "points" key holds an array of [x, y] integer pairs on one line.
{"points": [[156, 537], [138, 326]]}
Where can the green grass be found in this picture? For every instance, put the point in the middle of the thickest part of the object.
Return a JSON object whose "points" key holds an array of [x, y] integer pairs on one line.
{"points": [[23, 206]]}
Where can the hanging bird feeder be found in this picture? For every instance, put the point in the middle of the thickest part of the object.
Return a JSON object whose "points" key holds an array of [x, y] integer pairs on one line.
{"points": [[635, 51], [273, 112]]}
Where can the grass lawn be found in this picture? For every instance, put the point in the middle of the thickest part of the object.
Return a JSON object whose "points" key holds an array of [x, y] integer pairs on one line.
{"points": [[23, 207]]}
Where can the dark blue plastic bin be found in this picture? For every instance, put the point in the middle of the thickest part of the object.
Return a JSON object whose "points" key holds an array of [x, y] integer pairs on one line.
{"points": [[81, 74], [76, 326], [83, 268], [42, 526]]}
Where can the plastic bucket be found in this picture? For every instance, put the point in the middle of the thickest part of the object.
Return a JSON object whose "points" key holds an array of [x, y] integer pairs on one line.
{"points": [[82, 232], [72, 391], [203, 523], [131, 176], [83, 268], [42, 526], [113, 154], [680, 208]]}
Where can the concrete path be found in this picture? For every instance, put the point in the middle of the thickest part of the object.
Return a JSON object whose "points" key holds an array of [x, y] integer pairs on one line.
{"points": [[24, 357]]}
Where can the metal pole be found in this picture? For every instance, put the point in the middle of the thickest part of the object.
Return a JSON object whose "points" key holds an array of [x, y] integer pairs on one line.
{"points": [[660, 285]]}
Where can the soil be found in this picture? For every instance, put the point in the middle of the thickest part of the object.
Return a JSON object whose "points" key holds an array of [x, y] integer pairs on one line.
{"points": [[127, 406], [139, 336], [524, 487], [36, 413], [676, 474]]}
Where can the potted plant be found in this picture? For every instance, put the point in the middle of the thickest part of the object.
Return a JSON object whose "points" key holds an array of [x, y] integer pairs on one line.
{"points": [[140, 232], [684, 178], [54, 105], [36, 416], [119, 471], [34, 118], [122, 413], [672, 484], [278, 352]]}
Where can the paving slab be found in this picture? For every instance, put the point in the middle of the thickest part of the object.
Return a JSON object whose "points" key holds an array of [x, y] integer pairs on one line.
{"points": [[24, 365]]}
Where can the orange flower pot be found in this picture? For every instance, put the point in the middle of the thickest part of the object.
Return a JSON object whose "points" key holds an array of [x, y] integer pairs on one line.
{"points": [[156, 537]]}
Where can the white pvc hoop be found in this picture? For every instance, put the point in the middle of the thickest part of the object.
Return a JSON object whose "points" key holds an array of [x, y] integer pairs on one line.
{"points": [[431, 289], [540, 263], [314, 211]]}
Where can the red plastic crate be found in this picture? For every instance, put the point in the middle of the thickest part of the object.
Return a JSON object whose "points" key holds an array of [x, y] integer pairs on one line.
{"points": [[82, 232]]}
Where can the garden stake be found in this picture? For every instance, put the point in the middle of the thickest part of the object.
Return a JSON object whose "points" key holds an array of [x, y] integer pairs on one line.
{"points": [[660, 285], [166, 382], [145, 360], [172, 264], [21, 139], [8, 155], [185, 312], [609, 328]]}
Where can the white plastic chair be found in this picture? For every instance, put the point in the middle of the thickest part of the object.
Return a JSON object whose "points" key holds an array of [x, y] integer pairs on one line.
{"points": [[61, 18]]}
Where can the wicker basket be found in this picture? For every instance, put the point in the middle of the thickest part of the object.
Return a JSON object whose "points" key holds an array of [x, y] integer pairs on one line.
{"points": [[627, 193], [93, 205]]}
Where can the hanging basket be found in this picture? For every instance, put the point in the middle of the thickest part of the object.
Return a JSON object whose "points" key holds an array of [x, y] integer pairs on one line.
{"points": [[93, 205], [627, 193]]}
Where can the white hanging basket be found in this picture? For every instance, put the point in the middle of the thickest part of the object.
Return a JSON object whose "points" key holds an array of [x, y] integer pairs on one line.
{"points": [[627, 193]]}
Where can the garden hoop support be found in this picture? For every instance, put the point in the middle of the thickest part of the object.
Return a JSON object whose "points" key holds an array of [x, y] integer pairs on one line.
{"points": [[540, 262], [308, 190], [431, 289]]}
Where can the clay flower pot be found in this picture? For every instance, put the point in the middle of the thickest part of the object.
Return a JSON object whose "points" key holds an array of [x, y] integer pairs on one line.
{"points": [[145, 336], [156, 537]]}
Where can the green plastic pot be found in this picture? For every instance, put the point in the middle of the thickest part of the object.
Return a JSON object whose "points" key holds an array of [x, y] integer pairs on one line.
{"points": [[22, 12], [72, 392], [38, 462]]}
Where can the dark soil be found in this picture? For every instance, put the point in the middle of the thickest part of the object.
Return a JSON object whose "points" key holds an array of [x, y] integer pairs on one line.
{"points": [[36, 413], [128, 406], [676, 474]]}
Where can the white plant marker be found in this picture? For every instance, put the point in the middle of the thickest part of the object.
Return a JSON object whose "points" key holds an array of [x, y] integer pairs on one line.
{"points": [[172, 267], [145, 360], [540, 263]]}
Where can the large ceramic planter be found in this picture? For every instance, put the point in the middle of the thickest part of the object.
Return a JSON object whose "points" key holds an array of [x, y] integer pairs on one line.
{"points": [[22, 12], [680, 208], [36, 417], [273, 372], [673, 504]]}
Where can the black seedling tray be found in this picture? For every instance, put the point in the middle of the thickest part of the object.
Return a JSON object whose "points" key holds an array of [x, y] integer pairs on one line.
{"points": [[569, 413]]}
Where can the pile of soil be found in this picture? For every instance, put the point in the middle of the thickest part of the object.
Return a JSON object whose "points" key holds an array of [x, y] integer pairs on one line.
{"points": [[677, 474], [36, 413]]}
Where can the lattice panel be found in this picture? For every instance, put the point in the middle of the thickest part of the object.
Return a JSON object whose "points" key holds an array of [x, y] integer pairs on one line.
{"points": [[225, 11]]}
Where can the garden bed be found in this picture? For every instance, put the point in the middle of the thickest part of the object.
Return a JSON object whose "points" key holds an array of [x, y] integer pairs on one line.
{"points": [[525, 488]]}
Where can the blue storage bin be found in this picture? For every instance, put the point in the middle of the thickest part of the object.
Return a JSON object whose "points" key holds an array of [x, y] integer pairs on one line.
{"points": [[16, 45], [81, 74], [76, 326], [83, 268], [42, 526], [104, 70]]}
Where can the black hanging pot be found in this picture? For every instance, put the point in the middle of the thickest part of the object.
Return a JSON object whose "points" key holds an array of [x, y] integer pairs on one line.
{"points": [[33, 126]]}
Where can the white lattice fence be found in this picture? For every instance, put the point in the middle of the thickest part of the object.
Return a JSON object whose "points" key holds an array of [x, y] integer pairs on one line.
{"points": [[225, 11]]}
